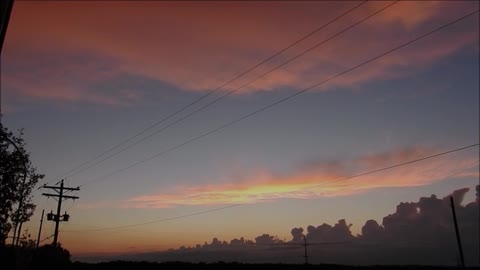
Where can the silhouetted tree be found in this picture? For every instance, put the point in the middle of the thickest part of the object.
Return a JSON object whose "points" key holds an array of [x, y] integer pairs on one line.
{"points": [[51, 255], [25, 251], [17, 179]]}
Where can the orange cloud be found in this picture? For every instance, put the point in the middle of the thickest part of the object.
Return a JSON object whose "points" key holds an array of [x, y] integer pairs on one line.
{"points": [[319, 180], [411, 13], [200, 46]]}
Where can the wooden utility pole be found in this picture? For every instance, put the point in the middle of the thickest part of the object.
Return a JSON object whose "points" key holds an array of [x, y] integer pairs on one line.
{"points": [[61, 196], [40, 229], [305, 246], [457, 233]]}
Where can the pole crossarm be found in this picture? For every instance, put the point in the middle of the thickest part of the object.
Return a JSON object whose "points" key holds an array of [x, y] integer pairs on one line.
{"points": [[64, 188], [61, 197]]}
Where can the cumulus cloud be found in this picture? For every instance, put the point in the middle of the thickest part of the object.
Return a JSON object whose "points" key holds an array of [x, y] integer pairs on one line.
{"points": [[416, 233], [373, 230], [297, 234], [426, 227], [340, 232]]}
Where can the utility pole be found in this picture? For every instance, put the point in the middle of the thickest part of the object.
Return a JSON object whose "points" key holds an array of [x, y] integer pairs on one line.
{"points": [[457, 233], [305, 246], [60, 197], [40, 229]]}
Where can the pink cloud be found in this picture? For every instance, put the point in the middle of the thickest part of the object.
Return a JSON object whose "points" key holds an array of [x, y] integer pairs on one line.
{"points": [[371, 161], [62, 78], [200, 53], [319, 180], [411, 13]]}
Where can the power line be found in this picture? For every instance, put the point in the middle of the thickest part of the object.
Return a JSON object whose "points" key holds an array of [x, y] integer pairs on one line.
{"points": [[237, 89], [161, 220], [46, 238], [399, 165], [301, 189], [71, 172], [232, 91], [300, 244], [102, 178]]}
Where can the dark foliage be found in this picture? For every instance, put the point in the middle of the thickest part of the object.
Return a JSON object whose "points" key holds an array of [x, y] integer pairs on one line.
{"points": [[17, 179], [51, 256], [221, 265]]}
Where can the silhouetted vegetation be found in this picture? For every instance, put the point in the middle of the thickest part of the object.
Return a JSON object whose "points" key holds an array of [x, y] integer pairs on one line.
{"points": [[7, 257], [17, 179], [27, 256], [222, 265], [50, 255]]}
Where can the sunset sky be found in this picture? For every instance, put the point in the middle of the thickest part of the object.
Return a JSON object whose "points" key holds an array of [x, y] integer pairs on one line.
{"points": [[81, 77]]}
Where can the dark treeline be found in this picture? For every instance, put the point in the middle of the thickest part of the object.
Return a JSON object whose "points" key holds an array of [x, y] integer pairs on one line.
{"points": [[222, 265]]}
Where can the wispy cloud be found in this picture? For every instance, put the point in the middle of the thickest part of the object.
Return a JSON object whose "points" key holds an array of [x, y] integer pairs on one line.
{"points": [[318, 179], [200, 53], [66, 78]]}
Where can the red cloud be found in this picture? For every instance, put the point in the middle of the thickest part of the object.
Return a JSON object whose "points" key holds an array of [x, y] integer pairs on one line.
{"points": [[200, 46]]}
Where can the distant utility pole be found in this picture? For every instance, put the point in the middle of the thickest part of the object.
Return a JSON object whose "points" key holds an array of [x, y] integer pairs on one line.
{"points": [[40, 229], [60, 197], [457, 233], [305, 246]]}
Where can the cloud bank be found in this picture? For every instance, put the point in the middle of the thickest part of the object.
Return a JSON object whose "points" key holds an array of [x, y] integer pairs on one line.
{"points": [[419, 232]]}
